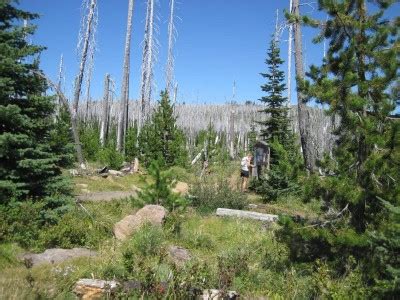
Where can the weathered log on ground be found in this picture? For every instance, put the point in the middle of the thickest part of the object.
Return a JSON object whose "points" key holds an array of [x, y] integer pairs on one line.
{"points": [[94, 288], [218, 295], [98, 289], [225, 212]]}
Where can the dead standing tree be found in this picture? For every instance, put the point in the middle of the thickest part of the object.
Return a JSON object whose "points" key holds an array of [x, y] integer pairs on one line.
{"points": [[303, 117], [289, 61], [106, 110], [59, 85], [123, 112], [86, 43], [170, 60], [148, 58]]}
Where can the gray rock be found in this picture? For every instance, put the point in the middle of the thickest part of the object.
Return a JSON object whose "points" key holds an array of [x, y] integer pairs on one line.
{"points": [[153, 214], [56, 255], [179, 255]]}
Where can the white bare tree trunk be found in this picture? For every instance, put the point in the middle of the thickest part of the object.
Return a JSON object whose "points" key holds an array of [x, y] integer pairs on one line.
{"points": [[88, 83], [147, 65], [175, 94], [171, 39], [86, 44], [123, 113], [105, 116], [59, 85], [289, 61], [232, 133]]}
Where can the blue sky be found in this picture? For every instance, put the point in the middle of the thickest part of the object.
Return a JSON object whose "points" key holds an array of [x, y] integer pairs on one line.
{"points": [[218, 42]]}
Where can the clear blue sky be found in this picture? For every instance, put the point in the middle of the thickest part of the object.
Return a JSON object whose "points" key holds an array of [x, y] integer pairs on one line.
{"points": [[218, 41]]}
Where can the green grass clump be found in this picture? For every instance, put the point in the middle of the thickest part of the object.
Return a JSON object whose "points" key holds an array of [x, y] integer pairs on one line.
{"points": [[207, 196]]}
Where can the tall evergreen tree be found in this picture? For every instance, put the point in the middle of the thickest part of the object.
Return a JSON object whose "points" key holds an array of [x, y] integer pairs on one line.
{"points": [[28, 164], [276, 126], [160, 139], [282, 177], [356, 81]]}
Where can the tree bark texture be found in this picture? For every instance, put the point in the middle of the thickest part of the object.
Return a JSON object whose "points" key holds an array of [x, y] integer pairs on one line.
{"points": [[123, 113], [303, 117], [105, 115]]}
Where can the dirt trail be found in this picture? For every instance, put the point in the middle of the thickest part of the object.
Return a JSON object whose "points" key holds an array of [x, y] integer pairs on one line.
{"points": [[106, 196]]}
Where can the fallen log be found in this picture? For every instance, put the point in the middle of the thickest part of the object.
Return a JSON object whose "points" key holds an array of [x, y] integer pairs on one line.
{"points": [[94, 288], [225, 212]]}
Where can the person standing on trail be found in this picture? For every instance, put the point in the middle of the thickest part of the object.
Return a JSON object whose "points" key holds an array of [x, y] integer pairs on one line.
{"points": [[245, 164]]}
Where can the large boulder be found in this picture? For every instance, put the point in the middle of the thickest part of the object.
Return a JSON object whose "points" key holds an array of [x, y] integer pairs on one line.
{"points": [[153, 214], [56, 255], [181, 188]]}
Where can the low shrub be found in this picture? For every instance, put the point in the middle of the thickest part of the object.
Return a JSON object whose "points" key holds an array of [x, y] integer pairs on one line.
{"points": [[179, 174], [231, 264], [200, 240], [276, 256], [160, 190], [208, 196], [75, 229], [8, 255], [326, 286], [110, 157], [147, 241], [20, 222]]}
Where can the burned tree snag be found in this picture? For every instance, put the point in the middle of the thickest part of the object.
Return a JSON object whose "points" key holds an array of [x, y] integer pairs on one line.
{"points": [[305, 134], [86, 44], [105, 114], [123, 112]]}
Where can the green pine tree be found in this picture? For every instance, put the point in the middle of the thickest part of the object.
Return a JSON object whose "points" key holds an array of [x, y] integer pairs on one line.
{"points": [[356, 81], [61, 141], [160, 139], [160, 190], [28, 166], [285, 162], [276, 125]]}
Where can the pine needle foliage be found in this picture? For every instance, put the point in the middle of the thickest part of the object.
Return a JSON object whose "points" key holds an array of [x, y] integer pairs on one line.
{"points": [[276, 125], [29, 167], [357, 80], [160, 190], [275, 130], [160, 139]]}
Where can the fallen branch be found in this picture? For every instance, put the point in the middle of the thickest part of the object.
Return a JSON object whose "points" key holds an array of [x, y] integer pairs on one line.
{"points": [[336, 218]]}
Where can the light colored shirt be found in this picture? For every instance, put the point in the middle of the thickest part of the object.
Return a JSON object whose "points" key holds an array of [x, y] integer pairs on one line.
{"points": [[244, 164]]}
